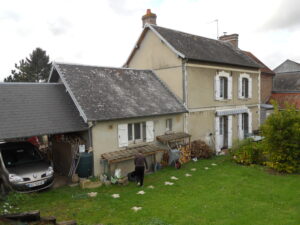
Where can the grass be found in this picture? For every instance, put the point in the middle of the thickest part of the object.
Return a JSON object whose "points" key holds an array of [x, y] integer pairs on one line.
{"points": [[224, 194]]}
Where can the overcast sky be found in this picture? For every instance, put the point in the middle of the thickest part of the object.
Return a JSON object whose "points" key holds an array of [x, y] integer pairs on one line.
{"points": [[103, 32]]}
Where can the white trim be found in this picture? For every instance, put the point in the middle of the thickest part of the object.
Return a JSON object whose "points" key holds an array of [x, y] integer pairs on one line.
{"points": [[240, 127], [123, 135], [152, 27], [218, 86], [240, 86], [149, 131], [185, 97], [217, 134], [223, 68], [229, 87], [221, 108], [225, 112], [259, 97], [250, 129], [82, 114], [229, 132]]}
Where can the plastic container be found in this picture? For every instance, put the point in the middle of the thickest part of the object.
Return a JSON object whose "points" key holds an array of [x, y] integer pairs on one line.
{"points": [[85, 165]]}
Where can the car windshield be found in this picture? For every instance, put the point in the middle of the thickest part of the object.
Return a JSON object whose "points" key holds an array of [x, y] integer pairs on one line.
{"points": [[20, 155]]}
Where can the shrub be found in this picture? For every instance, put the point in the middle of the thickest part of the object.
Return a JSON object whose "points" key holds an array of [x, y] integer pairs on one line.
{"points": [[247, 152], [282, 140]]}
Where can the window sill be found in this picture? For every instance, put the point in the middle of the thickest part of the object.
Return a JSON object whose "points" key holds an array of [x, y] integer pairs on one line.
{"points": [[223, 100], [245, 99]]}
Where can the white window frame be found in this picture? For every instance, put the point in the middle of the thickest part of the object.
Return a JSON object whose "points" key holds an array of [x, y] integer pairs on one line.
{"points": [[218, 85], [219, 132], [146, 129], [142, 132], [241, 132], [169, 124], [240, 88]]}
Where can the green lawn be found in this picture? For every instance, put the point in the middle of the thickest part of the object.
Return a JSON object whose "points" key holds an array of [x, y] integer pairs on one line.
{"points": [[224, 194]]}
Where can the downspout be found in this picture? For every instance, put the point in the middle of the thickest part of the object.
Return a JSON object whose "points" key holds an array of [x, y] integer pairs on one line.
{"points": [[259, 97], [91, 149], [185, 94]]}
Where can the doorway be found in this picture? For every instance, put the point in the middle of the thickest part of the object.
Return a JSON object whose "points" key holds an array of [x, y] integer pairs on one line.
{"points": [[223, 132]]}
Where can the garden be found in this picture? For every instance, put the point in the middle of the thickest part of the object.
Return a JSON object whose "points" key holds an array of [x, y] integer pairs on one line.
{"points": [[257, 183]]}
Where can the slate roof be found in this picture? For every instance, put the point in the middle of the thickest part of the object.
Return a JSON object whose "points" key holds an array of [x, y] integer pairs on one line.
{"points": [[31, 109], [103, 93], [287, 66], [264, 69], [197, 48], [287, 82]]}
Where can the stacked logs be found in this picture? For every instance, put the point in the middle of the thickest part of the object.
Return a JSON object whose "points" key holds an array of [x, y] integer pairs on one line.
{"points": [[201, 150], [185, 154]]}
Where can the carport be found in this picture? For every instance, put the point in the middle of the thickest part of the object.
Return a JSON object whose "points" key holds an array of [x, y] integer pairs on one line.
{"points": [[40, 109]]}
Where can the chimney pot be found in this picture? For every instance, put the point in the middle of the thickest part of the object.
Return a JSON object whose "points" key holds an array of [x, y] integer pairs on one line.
{"points": [[233, 39], [149, 18]]}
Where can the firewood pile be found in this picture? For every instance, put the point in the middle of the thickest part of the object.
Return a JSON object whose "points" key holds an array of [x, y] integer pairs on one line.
{"points": [[185, 154], [31, 218], [165, 159], [199, 149]]}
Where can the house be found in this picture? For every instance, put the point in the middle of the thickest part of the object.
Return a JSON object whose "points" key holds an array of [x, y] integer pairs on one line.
{"points": [[217, 82], [125, 110], [286, 85], [266, 85]]}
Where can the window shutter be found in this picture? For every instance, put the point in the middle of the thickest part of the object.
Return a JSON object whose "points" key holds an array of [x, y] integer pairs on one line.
{"points": [[217, 134], [240, 126], [250, 87], [230, 131], [250, 121], [123, 135], [149, 131], [217, 87], [240, 86], [229, 87]]}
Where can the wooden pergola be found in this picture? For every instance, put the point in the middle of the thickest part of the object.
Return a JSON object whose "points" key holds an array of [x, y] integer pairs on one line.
{"points": [[174, 137], [130, 153]]}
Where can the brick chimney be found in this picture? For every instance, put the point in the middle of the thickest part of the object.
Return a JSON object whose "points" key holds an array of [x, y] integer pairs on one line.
{"points": [[149, 18], [230, 38]]}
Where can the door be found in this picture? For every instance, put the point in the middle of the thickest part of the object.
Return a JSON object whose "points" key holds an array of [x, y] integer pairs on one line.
{"points": [[224, 132]]}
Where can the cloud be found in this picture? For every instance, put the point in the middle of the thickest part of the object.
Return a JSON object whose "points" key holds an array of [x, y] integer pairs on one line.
{"points": [[59, 26], [286, 17], [9, 15]]}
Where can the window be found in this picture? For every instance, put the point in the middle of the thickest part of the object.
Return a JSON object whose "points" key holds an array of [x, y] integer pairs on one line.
{"points": [[245, 86], [169, 125], [135, 132], [245, 124], [223, 86]]}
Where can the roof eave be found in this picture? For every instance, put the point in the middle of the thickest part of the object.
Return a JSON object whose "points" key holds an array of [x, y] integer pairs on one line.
{"points": [[227, 64], [165, 41], [136, 117], [82, 114]]}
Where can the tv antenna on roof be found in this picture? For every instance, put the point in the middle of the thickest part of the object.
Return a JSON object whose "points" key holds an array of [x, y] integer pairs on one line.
{"points": [[217, 22]]}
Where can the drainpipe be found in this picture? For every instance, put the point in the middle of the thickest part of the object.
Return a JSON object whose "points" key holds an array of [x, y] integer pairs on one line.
{"points": [[259, 97], [185, 94], [90, 134]]}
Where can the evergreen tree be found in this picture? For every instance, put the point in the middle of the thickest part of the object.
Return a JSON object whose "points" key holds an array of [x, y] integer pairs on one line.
{"points": [[36, 68]]}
